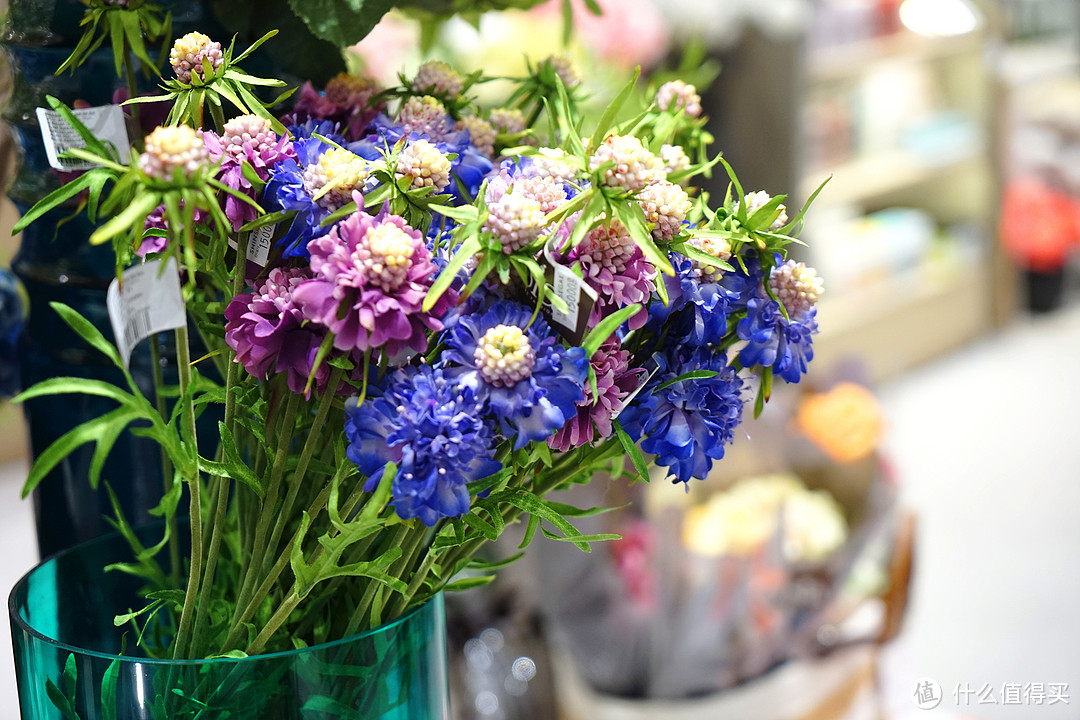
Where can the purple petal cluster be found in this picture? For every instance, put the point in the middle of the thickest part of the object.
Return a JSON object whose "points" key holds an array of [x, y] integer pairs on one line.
{"points": [[245, 139], [436, 433], [688, 423], [268, 332], [614, 266], [704, 299], [371, 275], [615, 380], [531, 384]]}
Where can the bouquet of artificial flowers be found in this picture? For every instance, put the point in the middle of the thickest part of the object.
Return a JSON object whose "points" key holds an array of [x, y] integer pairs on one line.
{"points": [[420, 317]]}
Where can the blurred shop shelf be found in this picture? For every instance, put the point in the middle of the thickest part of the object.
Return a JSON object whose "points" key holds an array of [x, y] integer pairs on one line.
{"points": [[903, 320], [842, 62], [883, 173]]}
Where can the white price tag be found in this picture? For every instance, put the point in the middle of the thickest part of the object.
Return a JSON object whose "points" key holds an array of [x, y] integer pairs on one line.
{"points": [[259, 243], [578, 295], [149, 303], [105, 122]]}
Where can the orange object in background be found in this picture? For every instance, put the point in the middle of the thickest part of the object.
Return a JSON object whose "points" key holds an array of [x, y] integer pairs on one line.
{"points": [[845, 423], [1040, 225]]}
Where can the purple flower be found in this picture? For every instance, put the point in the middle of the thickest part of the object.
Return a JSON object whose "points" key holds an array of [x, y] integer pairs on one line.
{"points": [[688, 423], [783, 344], [344, 102], [614, 381], [249, 139], [531, 384], [371, 275], [614, 266], [268, 332], [437, 434]]}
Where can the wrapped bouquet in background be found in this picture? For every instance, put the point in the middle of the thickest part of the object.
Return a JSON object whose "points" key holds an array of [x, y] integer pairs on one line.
{"points": [[421, 316], [714, 588]]}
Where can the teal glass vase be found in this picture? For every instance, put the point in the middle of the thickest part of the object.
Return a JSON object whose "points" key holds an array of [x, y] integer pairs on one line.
{"points": [[69, 659]]}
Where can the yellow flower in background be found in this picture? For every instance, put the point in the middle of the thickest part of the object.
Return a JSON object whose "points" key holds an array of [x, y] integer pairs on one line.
{"points": [[744, 518], [846, 422]]}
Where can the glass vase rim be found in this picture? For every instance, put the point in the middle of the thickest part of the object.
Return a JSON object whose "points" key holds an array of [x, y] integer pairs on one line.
{"points": [[17, 620]]}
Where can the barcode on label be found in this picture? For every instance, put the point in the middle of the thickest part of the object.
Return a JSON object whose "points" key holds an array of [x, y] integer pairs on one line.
{"points": [[148, 301], [137, 327]]}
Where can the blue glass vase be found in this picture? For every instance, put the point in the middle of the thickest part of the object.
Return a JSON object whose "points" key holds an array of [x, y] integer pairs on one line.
{"points": [[68, 659]]}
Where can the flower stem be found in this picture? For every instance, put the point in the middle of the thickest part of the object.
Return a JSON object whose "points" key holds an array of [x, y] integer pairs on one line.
{"points": [[314, 438], [183, 634], [258, 547], [166, 465]]}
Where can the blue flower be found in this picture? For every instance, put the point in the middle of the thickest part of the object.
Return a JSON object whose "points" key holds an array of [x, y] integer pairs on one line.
{"points": [[298, 186], [687, 424], [434, 430], [286, 191], [531, 384], [707, 303], [312, 126], [785, 345]]}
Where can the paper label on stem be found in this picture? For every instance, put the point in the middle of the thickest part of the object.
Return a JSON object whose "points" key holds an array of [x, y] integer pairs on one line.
{"points": [[105, 122], [146, 302], [579, 297], [260, 242]]}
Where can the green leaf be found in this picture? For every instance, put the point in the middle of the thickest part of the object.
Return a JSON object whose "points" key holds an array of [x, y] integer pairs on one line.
{"points": [[54, 199], [692, 375], [64, 446], [108, 690], [125, 618], [703, 257], [597, 537], [633, 451], [134, 214], [791, 226], [741, 196], [76, 386], [92, 143], [342, 22], [467, 249], [110, 433], [604, 329], [530, 532], [472, 582], [481, 526], [632, 216], [238, 469], [530, 503], [460, 213], [611, 112], [766, 215], [65, 706]]}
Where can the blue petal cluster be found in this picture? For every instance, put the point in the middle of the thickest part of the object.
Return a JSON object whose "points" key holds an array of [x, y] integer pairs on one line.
{"points": [[785, 345], [703, 307], [687, 424], [436, 433], [537, 406]]}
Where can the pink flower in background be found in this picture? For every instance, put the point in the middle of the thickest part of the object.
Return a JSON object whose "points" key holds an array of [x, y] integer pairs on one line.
{"points": [[629, 33]]}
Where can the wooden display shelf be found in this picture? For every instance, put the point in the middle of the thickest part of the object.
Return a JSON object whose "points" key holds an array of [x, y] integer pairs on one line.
{"points": [[901, 322]]}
